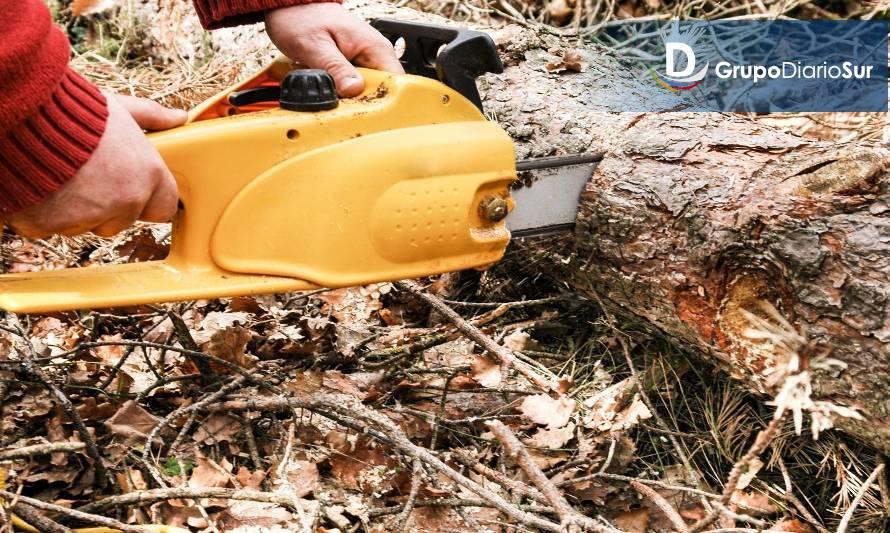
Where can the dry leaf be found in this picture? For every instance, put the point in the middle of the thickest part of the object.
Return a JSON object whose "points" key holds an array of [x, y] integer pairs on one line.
{"points": [[571, 61], [140, 245], [217, 428], [352, 304], [755, 503], [208, 474], [792, 526], [132, 421], [633, 521], [544, 410], [552, 438], [519, 340], [223, 335], [334, 379], [250, 480], [255, 516], [486, 372], [303, 477], [602, 414]]}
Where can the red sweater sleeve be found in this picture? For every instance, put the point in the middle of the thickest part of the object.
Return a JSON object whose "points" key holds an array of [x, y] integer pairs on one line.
{"points": [[221, 13], [51, 118]]}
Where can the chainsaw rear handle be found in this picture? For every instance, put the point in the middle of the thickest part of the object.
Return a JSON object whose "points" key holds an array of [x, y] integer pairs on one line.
{"points": [[454, 56]]}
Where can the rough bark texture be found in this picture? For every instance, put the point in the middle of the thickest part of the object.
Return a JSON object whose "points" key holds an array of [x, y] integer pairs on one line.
{"points": [[692, 217]]}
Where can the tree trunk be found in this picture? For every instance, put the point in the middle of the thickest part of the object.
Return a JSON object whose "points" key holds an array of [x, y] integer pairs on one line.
{"points": [[692, 218]]}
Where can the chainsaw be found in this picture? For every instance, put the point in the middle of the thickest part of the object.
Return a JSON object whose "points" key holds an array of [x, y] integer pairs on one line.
{"points": [[285, 187]]}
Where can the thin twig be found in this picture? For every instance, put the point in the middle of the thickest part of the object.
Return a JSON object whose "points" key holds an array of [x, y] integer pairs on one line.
{"points": [[187, 341], [74, 514], [663, 505], [519, 303], [416, 480], [513, 485], [41, 449], [845, 521], [570, 519], [474, 334], [35, 518], [884, 486], [142, 497], [197, 406]]}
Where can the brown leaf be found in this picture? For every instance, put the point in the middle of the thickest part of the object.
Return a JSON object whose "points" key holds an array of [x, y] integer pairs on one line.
{"points": [[223, 336], [303, 477], [334, 379], [208, 474], [756, 503], [792, 526], [250, 480], [552, 438], [253, 516], [603, 414], [519, 340], [571, 61], [218, 428], [245, 304], [485, 371], [140, 245], [363, 464], [130, 480], [131, 421], [633, 521], [544, 410], [352, 304]]}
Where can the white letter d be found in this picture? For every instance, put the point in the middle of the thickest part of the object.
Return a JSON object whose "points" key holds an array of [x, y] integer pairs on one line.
{"points": [[670, 48]]}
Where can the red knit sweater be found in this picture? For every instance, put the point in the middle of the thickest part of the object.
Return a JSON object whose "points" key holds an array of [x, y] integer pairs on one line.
{"points": [[51, 119]]}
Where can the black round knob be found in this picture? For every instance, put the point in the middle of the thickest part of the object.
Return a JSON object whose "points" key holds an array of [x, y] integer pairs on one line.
{"points": [[308, 90]]}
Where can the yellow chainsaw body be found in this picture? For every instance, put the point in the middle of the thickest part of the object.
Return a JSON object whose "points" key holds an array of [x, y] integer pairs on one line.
{"points": [[386, 186]]}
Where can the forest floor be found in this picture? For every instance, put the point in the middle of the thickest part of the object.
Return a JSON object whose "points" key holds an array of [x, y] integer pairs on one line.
{"points": [[376, 408]]}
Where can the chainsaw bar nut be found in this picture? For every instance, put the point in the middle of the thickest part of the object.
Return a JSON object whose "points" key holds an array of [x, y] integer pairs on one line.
{"points": [[493, 208]]}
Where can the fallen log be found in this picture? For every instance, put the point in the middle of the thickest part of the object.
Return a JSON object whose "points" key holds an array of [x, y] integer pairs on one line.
{"points": [[693, 218]]}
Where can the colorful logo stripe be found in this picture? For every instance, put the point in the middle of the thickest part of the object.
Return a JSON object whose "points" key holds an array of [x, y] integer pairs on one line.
{"points": [[671, 86]]}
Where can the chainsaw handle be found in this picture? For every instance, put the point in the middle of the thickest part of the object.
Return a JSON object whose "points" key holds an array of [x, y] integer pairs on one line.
{"points": [[454, 56]]}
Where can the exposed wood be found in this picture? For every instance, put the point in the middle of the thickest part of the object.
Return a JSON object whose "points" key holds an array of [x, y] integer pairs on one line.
{"points": [[692, 218]]}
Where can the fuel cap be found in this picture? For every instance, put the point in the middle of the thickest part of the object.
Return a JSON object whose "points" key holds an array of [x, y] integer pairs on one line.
{"points": [[308, 90]]}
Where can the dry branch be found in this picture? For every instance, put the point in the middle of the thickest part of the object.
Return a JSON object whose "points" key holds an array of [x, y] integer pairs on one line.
{"points": [[41, 449], [662, 504], [848, 515], [484, 341], [70, 513], [570, 519]]}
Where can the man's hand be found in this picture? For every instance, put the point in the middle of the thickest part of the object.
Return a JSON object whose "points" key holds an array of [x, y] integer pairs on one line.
{"points": [[124, 180], [326, 36]]}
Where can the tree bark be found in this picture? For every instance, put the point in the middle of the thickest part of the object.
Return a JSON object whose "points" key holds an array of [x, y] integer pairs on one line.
{"points": [[693, 217]]}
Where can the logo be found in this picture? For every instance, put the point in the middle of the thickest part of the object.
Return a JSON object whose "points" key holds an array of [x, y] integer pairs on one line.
{"points": [[678, 42]]}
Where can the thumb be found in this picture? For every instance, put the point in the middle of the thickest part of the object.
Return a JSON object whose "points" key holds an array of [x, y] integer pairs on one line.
{"points": [[149, 114], [325, 54]]}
